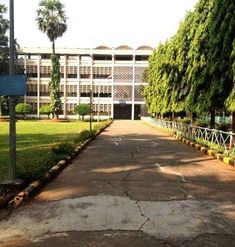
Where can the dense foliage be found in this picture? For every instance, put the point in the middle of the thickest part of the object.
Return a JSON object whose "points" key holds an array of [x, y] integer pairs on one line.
{"points": [[194, 71], [45, 109], [55, 87], [82, 109], [23, 108]]}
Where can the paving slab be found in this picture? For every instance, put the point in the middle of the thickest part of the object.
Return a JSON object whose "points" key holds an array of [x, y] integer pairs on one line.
{"points": [[132, 186]]}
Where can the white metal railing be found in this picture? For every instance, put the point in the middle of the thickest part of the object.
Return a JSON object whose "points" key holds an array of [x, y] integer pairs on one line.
{"points": [[212, 137]]}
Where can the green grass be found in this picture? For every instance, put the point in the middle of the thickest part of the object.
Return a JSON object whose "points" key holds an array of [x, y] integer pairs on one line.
{"points": [[34, 142]]}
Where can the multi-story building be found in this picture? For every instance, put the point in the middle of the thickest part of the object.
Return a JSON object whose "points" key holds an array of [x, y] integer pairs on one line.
{"points": [[113, 77]]}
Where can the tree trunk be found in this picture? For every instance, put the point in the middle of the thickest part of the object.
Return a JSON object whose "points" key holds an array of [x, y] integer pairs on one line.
{"points": [[192, 115], [53, 47], [212, 123], [173, 116], [233, 122]]}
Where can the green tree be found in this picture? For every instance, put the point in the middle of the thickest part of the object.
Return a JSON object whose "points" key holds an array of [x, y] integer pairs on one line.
{"points": [[82, 109], [45, 109], [23, 108], [194, 70], [55, 87], [51, 20]]}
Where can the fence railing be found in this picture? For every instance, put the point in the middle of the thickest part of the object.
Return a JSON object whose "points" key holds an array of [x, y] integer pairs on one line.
{"points": [[215, 139]]}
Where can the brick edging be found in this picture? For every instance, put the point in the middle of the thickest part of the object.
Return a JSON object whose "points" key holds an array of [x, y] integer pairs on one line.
{"points": [[207, 151], [35, 186], [204, 150]]}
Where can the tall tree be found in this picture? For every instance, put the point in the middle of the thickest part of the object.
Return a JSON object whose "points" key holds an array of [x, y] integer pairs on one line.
{"points": [[51, 20], [4, 52]]}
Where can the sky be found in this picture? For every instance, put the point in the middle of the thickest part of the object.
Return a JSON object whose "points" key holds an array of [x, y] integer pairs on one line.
{"points": [[104, 22]]}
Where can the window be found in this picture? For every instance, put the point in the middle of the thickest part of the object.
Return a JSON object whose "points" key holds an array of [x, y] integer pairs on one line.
{"points": [[102, 72], [123, 57], [71, 90], [85, 72], [31, 71], [45, 71], [32, 90]]}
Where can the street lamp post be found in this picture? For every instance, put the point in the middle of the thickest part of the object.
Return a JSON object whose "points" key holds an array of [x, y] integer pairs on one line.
{"points": [[12, 158]]}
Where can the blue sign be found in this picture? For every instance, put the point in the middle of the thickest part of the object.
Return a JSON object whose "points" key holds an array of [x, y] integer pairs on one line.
{"points": [[13, 85]]}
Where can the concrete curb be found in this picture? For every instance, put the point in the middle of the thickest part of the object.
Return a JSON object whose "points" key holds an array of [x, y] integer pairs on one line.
{"points": [[35, 186], [204, 150]]}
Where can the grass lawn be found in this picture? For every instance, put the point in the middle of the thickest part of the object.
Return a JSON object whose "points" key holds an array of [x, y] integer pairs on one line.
{"points": [[34, 141]]}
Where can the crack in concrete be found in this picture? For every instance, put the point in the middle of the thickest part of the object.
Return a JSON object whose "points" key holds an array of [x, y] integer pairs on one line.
{"points": [[143, 215], [125, 186], [182, 180], [107, 181]]}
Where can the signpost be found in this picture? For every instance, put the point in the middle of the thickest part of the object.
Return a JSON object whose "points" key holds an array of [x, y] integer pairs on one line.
{"points": [[12, 85]]}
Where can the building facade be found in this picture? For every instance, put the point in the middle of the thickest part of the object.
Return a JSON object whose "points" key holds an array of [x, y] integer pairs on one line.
{"points": [[112, 78]]}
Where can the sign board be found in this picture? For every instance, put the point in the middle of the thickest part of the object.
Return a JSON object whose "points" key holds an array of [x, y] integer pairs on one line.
{"points": [[12, 85]]}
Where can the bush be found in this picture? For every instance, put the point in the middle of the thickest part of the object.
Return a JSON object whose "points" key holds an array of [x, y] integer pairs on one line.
{"points": [[36, 169], [63, 149], [45, 109], [82, 109], [186, 120], [223, 127], [23, 108], [84, 135], [201, 123]]}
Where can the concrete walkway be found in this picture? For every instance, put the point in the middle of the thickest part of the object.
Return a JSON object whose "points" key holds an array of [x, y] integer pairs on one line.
{"points": [[133, 186]]}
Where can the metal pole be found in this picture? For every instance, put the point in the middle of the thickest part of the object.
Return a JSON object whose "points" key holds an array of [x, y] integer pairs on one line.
{"points": [[90, 109], [98, 115], [12, 158]]}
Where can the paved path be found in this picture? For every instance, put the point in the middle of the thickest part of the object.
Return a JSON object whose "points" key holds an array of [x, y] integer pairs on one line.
{"points": [[133, 186]]}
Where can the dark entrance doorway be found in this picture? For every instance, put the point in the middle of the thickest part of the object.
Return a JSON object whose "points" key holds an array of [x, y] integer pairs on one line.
{"points": [[122, 111], [137, 112]]}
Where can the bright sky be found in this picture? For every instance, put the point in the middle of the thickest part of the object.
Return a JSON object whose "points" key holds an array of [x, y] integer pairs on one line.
{"points": [[104, 22]]}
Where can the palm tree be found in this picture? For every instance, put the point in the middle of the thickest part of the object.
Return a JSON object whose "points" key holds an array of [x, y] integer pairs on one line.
{"points": [[51, 20]]}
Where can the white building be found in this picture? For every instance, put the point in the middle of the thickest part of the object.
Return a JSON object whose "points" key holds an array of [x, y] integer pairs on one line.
{"points": [[115, 76]]}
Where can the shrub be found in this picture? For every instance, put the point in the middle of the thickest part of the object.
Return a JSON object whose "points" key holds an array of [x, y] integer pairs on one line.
{"points": [[201, 123], [186, 120], [46, 109], [84, 135], [223, 127], [63, 149], [23, 108], [82, 109], [36, 169]]}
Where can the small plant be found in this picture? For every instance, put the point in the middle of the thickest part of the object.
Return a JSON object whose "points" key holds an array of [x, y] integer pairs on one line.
{"points": [[82, 109], [46, 109], [63, 149], [84, 135], [23, 108], [36, 169], [186, 120], [223, 127], [201, 123]]}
